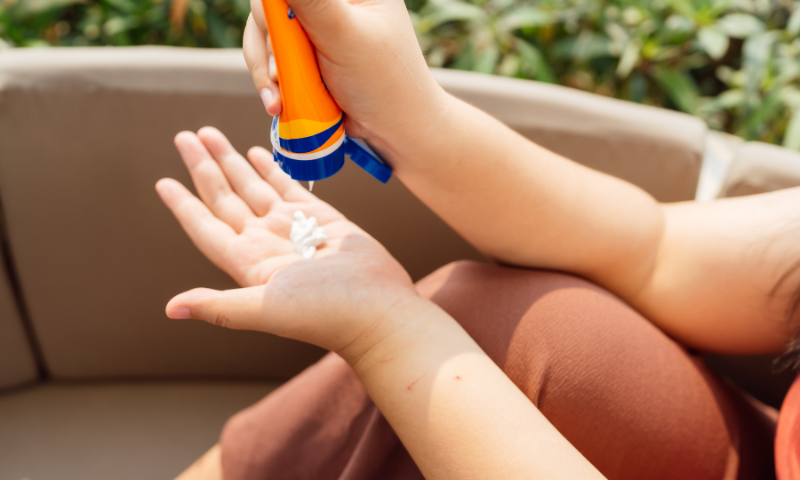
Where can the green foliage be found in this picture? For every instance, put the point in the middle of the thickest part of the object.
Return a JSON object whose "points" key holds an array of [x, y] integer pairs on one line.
{"points": [[734, 63], [190, 23]]}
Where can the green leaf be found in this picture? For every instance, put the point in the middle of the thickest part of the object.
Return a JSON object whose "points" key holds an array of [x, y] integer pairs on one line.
{"points": [[495, 5], [679, 24], [630, 57], [218, 32], [755, 121], [117, 25], [684, 7], [730, 98], [126, 6], [756, 53], [28, 8], [486, 60], [793, 25], [533, 59], [618, 35], [637, 87], [37, 43], [714, 41], [586, 46], [791, 97], [464, 60], [757, 50], [680, 88], [791, 138], [740, 25], [436, 56], [509, 66], [241, 7], [453, 12], [411, 5], [525, 17]]}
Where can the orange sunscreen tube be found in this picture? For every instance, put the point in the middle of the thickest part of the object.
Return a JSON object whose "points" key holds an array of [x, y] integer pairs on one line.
{"points": [[308, 139]]}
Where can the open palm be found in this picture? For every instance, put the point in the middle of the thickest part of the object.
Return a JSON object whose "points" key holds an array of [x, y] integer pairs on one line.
{"points": [[241, 222]]}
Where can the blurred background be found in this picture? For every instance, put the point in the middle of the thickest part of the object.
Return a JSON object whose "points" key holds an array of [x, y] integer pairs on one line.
{"points": [[733, 63]]}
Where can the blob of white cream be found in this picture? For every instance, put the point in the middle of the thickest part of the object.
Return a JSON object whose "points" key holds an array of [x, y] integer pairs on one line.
{"points": [[306, 235]]}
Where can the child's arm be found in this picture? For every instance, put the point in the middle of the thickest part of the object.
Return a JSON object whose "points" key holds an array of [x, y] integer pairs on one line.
{"points": [[692, 269], [513, 200], [707, 274], [457, 413]]}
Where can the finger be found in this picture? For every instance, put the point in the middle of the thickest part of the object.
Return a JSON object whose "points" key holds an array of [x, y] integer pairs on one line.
{"points": [[213, 187], [273, 67], [257, 12], [210, 234], [256, 56], [240, 309], [246, 182], [290, 190]]}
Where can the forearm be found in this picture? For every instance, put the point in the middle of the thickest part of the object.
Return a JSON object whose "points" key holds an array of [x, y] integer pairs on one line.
{"points": [[726, 279], [456, 412], [715, 276], [524, 205]]}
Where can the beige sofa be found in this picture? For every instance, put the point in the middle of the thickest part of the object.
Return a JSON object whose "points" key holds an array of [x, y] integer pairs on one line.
{"points": [[95, 382]]}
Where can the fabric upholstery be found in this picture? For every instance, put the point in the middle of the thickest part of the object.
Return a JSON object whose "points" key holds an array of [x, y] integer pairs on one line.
{"points": [[85, 134], [97, 253], [760, 167], [17, 363], [120, 431], [659, 150]]}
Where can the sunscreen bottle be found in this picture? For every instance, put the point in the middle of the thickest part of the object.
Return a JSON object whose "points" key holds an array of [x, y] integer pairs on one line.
{"points": [[308, 139]]}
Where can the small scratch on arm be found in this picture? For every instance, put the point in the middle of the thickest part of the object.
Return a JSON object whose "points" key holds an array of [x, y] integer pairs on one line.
{"points": [[414, 383]]}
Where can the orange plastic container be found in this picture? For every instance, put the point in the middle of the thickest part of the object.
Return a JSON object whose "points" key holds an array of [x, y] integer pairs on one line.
{"points": [[308, 139]]}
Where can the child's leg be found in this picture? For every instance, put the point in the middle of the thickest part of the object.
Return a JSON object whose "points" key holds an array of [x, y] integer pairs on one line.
{"points": [[631, 400]]}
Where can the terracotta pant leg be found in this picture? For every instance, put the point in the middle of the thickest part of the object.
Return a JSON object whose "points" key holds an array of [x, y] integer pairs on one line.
{"points": [[631, 400]]}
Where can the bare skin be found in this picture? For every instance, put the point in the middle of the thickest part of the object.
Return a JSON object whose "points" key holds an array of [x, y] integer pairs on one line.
{"points": [[704, 273], [207, 467], [355, 299]]}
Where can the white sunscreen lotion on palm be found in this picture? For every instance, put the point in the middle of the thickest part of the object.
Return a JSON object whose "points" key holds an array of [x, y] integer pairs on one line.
{"points": [[306, 235]]}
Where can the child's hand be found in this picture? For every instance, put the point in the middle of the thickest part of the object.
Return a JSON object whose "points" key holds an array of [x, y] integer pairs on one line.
{"points": [[370, 61], [242, 224]]}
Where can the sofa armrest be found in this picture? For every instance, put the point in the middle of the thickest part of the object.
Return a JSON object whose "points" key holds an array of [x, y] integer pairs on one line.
{"points": [[760, 167]]}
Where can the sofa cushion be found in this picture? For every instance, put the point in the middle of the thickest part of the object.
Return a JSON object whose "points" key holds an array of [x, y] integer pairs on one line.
{"points": [[659, 150], [120, 431], [84, 136], [98, 255], [760, 167], [86, 133], [17, 363]]}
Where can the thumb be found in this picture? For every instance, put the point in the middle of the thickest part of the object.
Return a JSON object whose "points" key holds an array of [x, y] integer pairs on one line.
{"points": [[239, 309]]}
